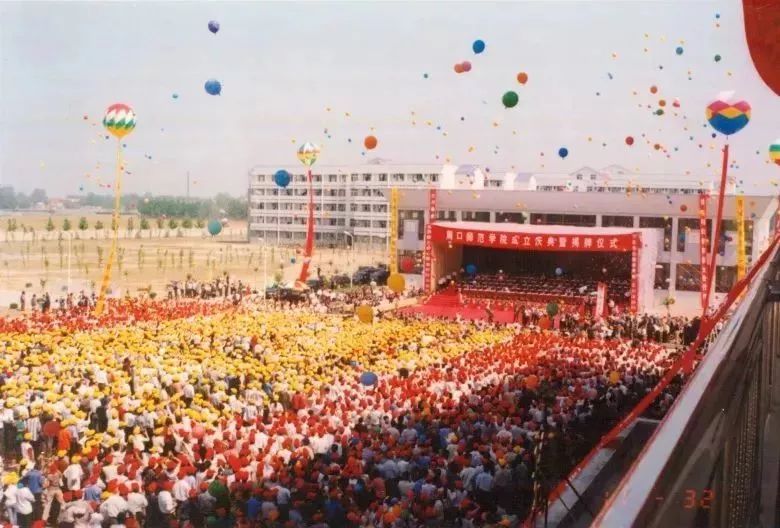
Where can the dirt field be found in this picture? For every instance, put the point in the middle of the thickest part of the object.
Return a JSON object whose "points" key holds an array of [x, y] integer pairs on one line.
{"points": [[147, 258]]}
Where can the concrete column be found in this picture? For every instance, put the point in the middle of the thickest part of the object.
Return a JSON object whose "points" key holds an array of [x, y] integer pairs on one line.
{"points": [[598, 220], [673, 256]]}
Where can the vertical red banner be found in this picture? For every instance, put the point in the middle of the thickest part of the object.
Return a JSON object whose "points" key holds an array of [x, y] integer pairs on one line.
{"points": [[601, 300], [428, 259], [704, 245], [635, 244]]}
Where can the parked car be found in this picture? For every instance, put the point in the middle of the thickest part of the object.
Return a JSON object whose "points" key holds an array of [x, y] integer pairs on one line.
{"points": [[315, 284], [340, 281], [362, 275], [380, 276]]}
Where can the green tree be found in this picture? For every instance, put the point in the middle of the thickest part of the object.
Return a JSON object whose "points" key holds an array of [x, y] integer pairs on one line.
{"points": [[50, 224], [130, 223], [200, 223], [83, 224], [144, 224], [99, 225], [160, 222], [187, 223], [172, 223], [11, 225], [66, 224]]}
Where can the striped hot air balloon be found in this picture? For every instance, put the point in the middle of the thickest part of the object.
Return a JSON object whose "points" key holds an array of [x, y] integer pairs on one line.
{"points": [[727, 117], [774, 152], [119, 120], [307, 153]]}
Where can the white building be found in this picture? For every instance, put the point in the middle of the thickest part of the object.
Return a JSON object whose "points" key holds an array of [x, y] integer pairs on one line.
{"points": [[354, 200]]}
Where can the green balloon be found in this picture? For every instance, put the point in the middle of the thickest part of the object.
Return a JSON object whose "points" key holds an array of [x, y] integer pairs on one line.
{"points": [[510, 99], [552, 309], [214, 227]]}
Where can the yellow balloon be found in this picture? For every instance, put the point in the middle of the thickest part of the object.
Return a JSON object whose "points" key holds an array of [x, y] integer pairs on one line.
{"points": [[365, 313], [396, 282], [614, 376]]}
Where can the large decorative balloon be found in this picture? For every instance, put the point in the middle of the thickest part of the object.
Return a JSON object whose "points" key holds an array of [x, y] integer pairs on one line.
{"points": [[478, 46], [282, 178], [774, 152], [365, 313], [307, 153], [510, 99], [213, 87], [471, 269], [213, 26], [522, 77], [727, 117], [396, 283], [119, 120], [370, 142], [214, 227], [368, 379], [563, 152]]}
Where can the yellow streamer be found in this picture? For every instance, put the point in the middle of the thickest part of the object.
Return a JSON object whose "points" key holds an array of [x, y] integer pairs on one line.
{"points": [[741, 259], [101, 302], [393, 227]]}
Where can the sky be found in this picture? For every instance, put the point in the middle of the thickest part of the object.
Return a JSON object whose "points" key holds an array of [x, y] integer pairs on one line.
{"points": [[292, 70]]}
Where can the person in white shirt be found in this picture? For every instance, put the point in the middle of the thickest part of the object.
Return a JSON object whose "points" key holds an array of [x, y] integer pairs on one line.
{"points": [[73, 475], [24, 505], [10, 502], [112, 507]]}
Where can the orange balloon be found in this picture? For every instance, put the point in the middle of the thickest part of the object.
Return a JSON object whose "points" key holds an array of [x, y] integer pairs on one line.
{"points": [[662, 102], [532, 381], [370, 142], [522, 77], [653, 89], [458, 68]]}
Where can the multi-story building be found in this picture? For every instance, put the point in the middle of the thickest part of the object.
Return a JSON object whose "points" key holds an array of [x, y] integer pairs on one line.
{"points": [[352, 201]]}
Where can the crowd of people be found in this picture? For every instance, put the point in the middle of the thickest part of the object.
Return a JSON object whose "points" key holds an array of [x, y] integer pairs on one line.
{"points": [[162, 414]]}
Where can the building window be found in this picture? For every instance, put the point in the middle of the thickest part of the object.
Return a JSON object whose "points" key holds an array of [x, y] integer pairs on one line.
{"points": [[563, 219], [476, 216], [617, 221], [662, 270], [725, 278], [689, 225], [510, 218], [446, 216], [656, 222], [688, 277]]}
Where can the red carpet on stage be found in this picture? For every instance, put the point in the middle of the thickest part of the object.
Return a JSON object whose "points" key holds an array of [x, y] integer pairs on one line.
{"points": [[445, 304]]}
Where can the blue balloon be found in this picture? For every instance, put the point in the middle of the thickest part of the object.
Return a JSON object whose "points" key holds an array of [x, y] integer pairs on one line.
{"points": [[369, 378], [213, 87], [282, 178], [563, 152], [558, 271], [471, 269], [292, 260], [175, 96], [478, 46], [213, 26], [679, 50]]}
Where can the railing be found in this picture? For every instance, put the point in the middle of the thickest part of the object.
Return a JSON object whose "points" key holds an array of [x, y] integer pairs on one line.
{"points": [[715, 460]]}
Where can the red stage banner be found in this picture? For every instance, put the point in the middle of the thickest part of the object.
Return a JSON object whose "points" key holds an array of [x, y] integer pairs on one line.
{"points": [[428, 259], [601, 300], [635, 246], [704, 245], [494, 238]]}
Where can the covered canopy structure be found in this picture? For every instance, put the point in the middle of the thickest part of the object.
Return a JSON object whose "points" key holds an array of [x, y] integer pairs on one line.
{"points": [[444, 248]]}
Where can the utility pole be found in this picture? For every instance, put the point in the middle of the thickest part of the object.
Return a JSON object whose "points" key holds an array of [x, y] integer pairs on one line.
{"points": [[188, 186]]}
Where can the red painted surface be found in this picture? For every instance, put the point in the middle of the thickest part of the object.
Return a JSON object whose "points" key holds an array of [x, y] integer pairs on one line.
{"points": [[762, 30]]}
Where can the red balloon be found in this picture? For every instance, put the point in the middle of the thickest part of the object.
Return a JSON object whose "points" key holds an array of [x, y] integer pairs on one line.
{"points": [[683, 208], [459, 68], [370, 142], [407, 264], [629, 140], [466, 65], [198, 432]]}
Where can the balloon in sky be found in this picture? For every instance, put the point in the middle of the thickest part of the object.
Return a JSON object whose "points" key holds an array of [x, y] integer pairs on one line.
{"points": [[774, 152], [717, 58], [213, 87], [471, 269], [307, 153], [563, 152], [510, 99], [175, 96], [282, 178], [458, 68], [559, 271], [213, 26], [368, 378], [119, 120], [214, 227], [629, 140], [365, 313], [727, 117], [466, 65], [522, 77], [370, 142], [478, 46], [396, 282], [679, 50]]}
